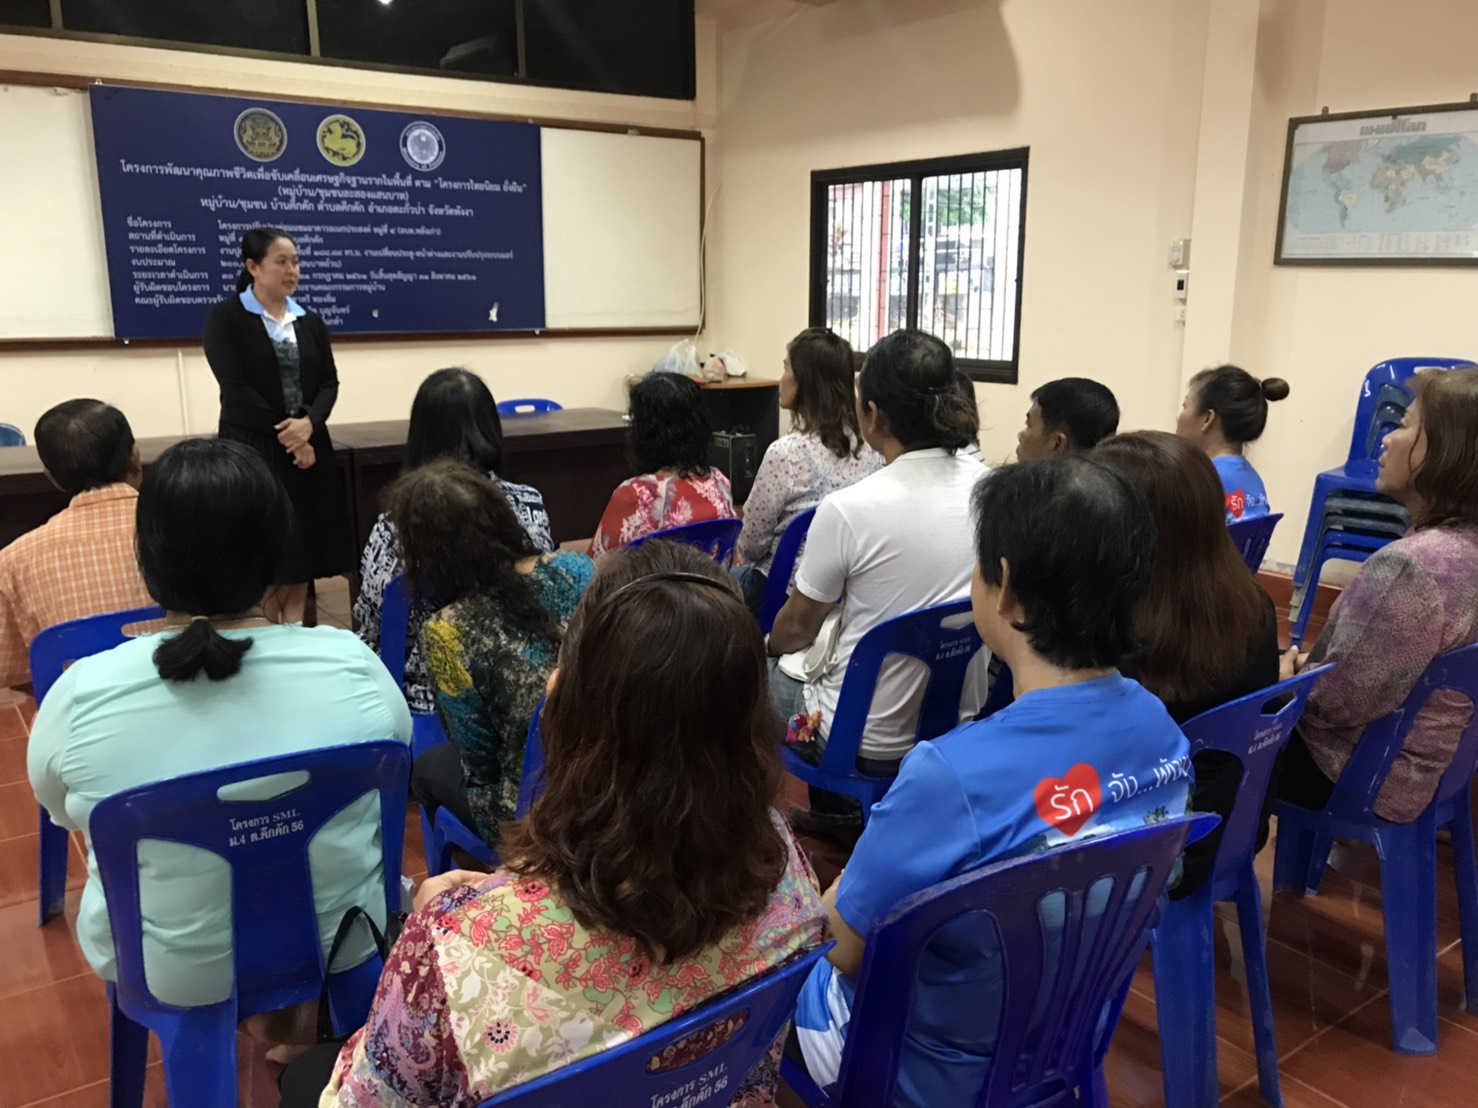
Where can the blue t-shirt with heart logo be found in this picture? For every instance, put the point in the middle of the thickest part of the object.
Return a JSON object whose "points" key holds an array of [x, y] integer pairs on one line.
{"points": [[1246, 498], [1056, 766]]}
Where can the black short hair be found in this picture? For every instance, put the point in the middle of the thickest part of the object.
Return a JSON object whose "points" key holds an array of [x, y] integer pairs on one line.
{"points": [[213, 523], [1080, 541], [669, 426], [84, 444], [911, 376], [1083, 408], [454, 415]]}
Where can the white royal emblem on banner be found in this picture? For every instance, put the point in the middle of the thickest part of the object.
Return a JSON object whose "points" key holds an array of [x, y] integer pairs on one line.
{"points": [[422, 146]]}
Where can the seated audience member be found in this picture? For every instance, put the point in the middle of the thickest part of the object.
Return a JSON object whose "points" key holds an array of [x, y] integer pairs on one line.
{"points": [[219, 686], [455, 416], [1225, 409], [651, 876], [1413, 600], [823, 452], [1063, 549], [892, 543], [1067, 416], [491, 646], [81, 561], [1208, 633], [669, 443]]}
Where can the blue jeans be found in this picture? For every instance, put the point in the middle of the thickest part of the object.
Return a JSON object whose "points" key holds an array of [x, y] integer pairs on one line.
{"points": [[752, 582]]}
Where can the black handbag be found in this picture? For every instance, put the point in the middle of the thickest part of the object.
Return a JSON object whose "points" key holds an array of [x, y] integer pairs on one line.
{"points": [[384, 940]]}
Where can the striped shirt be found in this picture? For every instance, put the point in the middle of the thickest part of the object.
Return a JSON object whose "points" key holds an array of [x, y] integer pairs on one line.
{"points": [[78, 563]]}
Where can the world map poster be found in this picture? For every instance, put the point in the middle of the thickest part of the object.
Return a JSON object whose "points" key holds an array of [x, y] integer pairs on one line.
{"points": [[1394, 188]]}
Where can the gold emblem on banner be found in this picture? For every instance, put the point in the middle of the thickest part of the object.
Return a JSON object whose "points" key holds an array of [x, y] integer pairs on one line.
{"points": [[260, 134], [341, 140]]}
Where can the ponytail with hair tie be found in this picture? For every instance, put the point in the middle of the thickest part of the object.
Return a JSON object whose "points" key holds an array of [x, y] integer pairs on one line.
{"points": [[199, 647]]}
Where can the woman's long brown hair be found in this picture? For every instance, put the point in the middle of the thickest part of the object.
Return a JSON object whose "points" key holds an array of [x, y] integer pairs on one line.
{"points": [[1200, 618], [825, 390], [1446, 483], [660, 755]]}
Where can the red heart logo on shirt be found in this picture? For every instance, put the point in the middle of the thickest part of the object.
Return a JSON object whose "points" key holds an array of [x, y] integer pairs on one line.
{"points": [[1237, 503], [1067, 802]]}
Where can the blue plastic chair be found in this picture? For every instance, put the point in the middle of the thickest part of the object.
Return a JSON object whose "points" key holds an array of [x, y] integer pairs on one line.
{"points": [[1185, 970], [632, 1074], [528, 407], [782, 568], [1407, 851], [277, 950], [52, 651], [11, 435], [1334, 543], [1056, 1059], [1252, 536], [715, 537], [944, 638]]}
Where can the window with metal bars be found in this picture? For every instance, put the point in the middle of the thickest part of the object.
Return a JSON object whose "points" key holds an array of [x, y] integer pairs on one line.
{"points": [[932, 244]]}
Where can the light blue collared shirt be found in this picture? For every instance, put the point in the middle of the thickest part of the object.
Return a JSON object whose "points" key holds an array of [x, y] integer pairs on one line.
{"points": [[278, 330]]}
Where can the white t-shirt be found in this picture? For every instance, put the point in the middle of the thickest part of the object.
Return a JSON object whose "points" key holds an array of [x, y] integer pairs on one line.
{"points": [[895, 542]]}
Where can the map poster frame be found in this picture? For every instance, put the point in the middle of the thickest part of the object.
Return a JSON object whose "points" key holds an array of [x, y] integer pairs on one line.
{"points": [[1423, 141]]}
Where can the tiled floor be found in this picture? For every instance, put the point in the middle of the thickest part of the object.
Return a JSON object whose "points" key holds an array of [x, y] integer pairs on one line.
{"points": [[1326, 954]]}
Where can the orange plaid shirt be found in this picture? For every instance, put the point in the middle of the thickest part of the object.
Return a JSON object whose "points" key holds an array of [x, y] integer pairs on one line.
{"points": [[78, 563]]}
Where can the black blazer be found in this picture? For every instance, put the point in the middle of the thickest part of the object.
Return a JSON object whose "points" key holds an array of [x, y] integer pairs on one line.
{"points": [[245, 366]]}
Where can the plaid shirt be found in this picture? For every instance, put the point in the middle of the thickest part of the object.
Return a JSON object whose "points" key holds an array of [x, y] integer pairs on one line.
{"points": [[78, 563]]}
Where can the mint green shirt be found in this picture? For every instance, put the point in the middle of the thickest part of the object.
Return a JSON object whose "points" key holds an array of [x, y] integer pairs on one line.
{"points": [[111, 723]]}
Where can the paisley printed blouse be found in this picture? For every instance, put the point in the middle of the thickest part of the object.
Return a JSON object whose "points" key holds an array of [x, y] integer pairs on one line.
{"points": [[651, 502], [496, 984]]}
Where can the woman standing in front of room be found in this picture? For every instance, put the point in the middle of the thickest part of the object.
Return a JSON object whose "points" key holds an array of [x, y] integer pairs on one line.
{"points": [[275, 366]]}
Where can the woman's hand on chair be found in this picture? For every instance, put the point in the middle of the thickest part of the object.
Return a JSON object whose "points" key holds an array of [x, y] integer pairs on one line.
{"points": [[1291, 664], [433, 887]]}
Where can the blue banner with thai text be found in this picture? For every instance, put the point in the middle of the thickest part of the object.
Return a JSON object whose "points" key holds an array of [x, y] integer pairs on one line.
{"points": [[405, 222]]}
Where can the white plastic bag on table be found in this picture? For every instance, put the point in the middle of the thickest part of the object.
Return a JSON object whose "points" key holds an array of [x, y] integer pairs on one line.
{"points": [[682, 358]]}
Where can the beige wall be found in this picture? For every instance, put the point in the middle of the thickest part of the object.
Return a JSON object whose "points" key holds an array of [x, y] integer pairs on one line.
{"points": [[169, 391]]}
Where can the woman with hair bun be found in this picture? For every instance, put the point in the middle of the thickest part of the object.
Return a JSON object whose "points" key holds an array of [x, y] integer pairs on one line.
{"points": [[1226, 408], [220, 685], [275, 366]]}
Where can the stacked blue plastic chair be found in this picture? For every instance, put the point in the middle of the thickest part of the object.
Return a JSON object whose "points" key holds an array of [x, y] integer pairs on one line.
{"points": [[1255, 730], [1407, 852], [715, 537], [528, 407], [632, 1074], [11, 435], [1252, 536], [52, 651], [782, 569], [943, 638], [1348, 519], [277, 951], [1056, 1059]]}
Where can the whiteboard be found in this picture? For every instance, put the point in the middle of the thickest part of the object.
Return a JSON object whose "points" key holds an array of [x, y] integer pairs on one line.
{"points": [[621, 225]]}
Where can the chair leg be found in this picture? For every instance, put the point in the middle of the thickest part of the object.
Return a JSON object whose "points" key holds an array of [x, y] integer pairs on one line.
{"points": [[54, 844], [1465, 865], [1259, 992], [1408, 877], [200, 1056], [1185, 1001], [128, 1056], [428, 843], [1292, 856]]}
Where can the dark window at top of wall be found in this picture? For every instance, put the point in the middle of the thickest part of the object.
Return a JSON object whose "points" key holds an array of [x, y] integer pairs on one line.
{"points": [[642, 47], [25, 13], [459, 36], [280, 26]]}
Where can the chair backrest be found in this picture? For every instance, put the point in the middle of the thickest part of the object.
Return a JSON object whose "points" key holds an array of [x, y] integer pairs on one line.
{"points": [[715, 537], [782, 568], [1252, 536], [395, 619], [943, 637], [1054, 1055], [1360, 783], [274, 926], [531, 783], [528, 407], [1254, 729], [11, 435], [55, 648], [1384, 387], [647, 1070]]}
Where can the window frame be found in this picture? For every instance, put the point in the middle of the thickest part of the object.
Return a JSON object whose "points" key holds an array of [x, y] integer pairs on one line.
{"points": [[996, 371]]}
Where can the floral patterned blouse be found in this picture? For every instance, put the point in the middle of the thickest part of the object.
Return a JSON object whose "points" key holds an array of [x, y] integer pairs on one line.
{"points": [[796, 473], [488, 675], [381, 563], [651, 502], [493, 985]]}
